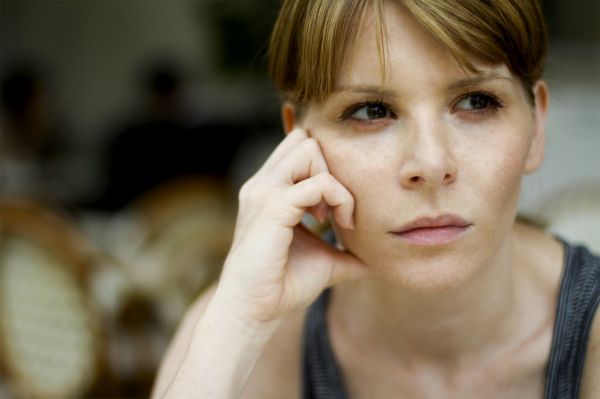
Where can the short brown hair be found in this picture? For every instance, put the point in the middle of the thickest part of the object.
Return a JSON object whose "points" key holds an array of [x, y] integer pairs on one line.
{"points": [[311, 37]]}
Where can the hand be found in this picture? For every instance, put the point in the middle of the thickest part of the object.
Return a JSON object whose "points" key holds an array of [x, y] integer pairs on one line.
{"points": [[275, 265]]}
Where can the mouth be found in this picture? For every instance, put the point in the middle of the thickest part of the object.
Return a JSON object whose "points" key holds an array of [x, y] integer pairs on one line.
{"points": [[431, 231]]}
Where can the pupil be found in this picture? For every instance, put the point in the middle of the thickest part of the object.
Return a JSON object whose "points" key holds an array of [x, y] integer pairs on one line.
{"points": [[479, 102], [376, 112]]}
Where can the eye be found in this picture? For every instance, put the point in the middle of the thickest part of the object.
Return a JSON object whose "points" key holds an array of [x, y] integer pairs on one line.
{"points": [[478, 102], [368, 111]]}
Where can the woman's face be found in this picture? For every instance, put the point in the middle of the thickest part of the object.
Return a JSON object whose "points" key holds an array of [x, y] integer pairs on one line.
{"points": [[425, 140]]}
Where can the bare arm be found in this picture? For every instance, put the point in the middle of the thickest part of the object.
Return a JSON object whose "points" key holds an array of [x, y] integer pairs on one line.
{"points": [[212, 356], [180, 343], [274, 268]]}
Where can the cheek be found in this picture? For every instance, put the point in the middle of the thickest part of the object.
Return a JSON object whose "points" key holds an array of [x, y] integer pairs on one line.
{"points": [[362, 169], [496, 176], [350, 160], [508, 157]]}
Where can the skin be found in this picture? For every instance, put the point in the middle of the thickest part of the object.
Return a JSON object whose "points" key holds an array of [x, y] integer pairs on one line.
{"points": [[433, 154], [468, 319]]}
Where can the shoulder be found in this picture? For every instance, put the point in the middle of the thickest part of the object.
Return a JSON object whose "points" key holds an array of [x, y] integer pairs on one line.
{"points": [[590, 388], [554, 262]]}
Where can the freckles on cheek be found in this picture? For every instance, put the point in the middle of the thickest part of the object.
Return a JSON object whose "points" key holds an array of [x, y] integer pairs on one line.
{"points": [[339, 160], [506, 181], [353, 171]]}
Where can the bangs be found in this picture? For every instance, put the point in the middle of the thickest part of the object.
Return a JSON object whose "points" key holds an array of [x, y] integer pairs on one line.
{"points": [[312, 37], [308, 45]]}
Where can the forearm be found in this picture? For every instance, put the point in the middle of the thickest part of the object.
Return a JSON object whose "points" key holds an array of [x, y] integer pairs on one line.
{"points": [[220, 357], [275, 267]]}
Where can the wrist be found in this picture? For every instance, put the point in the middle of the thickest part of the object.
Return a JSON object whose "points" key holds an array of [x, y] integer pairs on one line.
{"points": [[223, 351], [228, 309]]}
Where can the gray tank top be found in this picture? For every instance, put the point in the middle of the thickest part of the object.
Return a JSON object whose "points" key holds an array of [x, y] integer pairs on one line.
{"points": [[577, 302]]}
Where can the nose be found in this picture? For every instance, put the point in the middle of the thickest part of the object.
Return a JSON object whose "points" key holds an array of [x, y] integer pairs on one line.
{"points": [[429, 161]]}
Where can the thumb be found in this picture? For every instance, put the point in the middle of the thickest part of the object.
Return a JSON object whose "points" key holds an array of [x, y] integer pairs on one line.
{"points": [[345, 266], [341, 265]]}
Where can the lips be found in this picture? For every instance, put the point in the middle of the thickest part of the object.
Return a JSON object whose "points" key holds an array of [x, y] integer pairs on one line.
{"points": [[438, 230]]}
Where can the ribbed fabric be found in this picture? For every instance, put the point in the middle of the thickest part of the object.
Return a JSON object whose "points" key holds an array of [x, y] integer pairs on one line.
{"points": [[577, 303], [322, 378]]}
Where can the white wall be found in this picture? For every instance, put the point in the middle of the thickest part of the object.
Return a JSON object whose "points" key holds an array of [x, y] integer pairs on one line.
{"points": [[573, 129]]}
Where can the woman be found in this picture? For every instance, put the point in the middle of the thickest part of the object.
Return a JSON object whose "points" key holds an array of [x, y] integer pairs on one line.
{"points": [[411, 123]]}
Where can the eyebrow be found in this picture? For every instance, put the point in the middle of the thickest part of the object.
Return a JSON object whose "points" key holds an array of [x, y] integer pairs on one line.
{"points": [[366, 89], [477, 80], [381, 92]]}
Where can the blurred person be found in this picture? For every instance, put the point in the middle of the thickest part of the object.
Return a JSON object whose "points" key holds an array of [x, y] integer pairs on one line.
{"points": [[139, 156], [410, 123], [30, 142], [161, 144]]}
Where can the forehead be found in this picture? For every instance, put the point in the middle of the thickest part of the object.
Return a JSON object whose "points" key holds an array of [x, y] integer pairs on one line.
{"points": [[410, 55]]}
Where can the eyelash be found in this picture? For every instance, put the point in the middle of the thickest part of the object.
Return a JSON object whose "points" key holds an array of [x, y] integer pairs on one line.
{"points": [[494, 103], [347, 114]]}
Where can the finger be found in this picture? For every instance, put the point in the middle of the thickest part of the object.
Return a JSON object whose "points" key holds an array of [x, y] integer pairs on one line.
{"points": [[324, 187], [346, 266], [289, 143], [342, 264], [319, 211], [305, 161]]}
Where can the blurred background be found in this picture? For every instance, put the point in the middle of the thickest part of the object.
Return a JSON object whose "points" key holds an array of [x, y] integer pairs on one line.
{"points": [[127, 128]]}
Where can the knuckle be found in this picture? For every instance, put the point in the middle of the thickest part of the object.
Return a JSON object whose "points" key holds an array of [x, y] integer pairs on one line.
{"points": [[325, 178], [297, 132], [348, 198], [311, 145], [248, 192], [244, 190]]}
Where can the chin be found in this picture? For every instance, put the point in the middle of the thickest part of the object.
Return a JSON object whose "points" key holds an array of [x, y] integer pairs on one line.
{"points": [[419, 268], [428, 275]]}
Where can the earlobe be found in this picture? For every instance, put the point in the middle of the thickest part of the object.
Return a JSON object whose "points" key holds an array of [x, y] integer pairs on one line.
{"points": [[536, 150], [288, 117]]}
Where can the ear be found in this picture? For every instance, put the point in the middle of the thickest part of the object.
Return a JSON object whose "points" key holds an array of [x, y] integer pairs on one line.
{"points": [[536, 150], [288, 116]]}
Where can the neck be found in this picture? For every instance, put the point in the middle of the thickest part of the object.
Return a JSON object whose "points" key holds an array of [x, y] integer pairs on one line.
{"points": [[443, 326]]}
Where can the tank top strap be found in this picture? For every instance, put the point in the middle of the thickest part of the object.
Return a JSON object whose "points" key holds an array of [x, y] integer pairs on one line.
{"points": [[578, 299], [321, 377]]}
